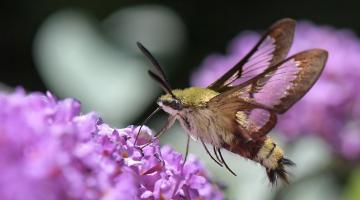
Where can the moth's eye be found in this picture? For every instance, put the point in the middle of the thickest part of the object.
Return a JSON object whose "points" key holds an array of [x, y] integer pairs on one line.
{"points": [[175, 104]]}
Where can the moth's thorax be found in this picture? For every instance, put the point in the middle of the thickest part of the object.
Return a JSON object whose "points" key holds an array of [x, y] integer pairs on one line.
{"points": [[202, 124], [185, 98]]}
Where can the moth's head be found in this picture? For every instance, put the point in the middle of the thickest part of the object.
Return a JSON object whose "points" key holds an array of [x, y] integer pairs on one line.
{"points": [[170, 103]]}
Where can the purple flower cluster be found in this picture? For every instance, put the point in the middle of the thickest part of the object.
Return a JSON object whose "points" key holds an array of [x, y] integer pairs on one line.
{"points": [[331, 109], [49, 151]]}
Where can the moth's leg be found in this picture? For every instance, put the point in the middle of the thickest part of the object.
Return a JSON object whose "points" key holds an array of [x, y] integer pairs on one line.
{"points": [[223, 161], [171, 120], [187, 149], [144, 122], [208, 152], [216, 154]]}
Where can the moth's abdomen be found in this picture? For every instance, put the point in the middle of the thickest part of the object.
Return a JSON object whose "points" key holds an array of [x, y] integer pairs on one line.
{"points": [[271, 156]]}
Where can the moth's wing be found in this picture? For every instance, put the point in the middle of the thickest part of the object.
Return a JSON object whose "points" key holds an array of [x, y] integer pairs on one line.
{"points": [[256, 122], [282, 85], [271, 49], [243, 116], [252, 106]]}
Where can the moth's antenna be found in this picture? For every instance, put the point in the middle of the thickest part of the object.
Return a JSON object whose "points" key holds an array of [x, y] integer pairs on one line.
{"points": [[159, 74], [151, 59], [144, 122], [162, 83]]}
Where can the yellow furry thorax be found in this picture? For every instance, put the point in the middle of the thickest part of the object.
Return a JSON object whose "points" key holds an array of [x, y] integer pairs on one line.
{"points": [[192, 96]]}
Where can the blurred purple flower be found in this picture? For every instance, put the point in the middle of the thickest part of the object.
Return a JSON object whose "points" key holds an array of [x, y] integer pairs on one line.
{"points": [[49, 151], [331, 109]]}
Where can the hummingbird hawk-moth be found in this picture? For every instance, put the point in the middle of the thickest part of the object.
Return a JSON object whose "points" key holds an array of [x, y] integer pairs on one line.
{"points": [[238, 110]]}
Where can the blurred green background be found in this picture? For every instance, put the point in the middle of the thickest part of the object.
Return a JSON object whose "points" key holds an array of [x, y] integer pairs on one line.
{"points": [[86, 50]]}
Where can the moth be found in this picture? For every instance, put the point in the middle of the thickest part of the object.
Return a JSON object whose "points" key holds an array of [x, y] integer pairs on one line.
{"points": [[239, 109]]}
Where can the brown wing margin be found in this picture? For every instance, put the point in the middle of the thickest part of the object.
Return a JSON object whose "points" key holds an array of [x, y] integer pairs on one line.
{"points": [[282, 34], [311, 64]]}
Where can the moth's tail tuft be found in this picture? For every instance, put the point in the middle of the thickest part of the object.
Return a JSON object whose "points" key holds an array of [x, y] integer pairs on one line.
{"points": [[280, 171], [286, 162]]}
